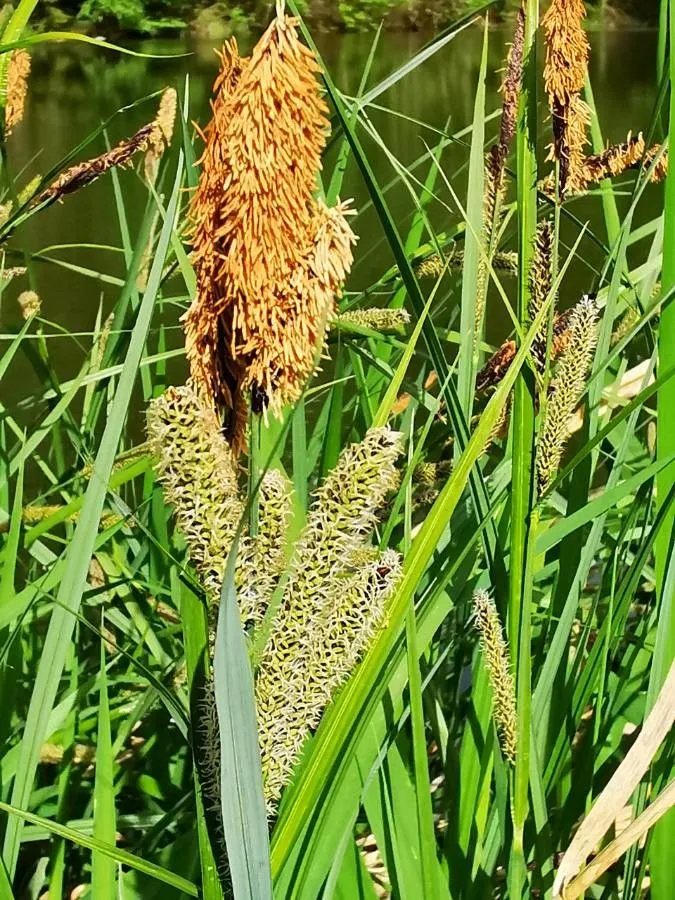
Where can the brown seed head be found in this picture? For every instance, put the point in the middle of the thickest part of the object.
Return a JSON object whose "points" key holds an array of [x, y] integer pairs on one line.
{"points": [[511, 83], [495, 368], [82, 174], [614, 160], [661, 167]]}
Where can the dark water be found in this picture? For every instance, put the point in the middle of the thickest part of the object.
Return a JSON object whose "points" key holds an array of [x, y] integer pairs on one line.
{"points": [[73, 88]]}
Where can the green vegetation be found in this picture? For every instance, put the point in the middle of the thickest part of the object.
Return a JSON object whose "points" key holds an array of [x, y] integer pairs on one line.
{"points": [[217, 19], [417, 640]]}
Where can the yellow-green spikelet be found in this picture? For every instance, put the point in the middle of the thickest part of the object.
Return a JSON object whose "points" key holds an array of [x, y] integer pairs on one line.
{"points": [[332, 606], [496, 662], [566, 389]]}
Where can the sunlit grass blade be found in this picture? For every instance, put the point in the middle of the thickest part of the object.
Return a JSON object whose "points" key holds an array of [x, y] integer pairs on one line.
{"points": [[241, 789], [122, 857], [103, 868], [471, 301], [338, 732], [523, 478], [662, 869]]}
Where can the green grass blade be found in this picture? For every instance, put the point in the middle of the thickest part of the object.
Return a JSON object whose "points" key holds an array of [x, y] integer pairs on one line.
{"points": [[437, 43], [196, 640], [50, 36], [121, 857], [522, 493], [79, 553], [103, 868], [242, 800], [472, 256], [663, 838], [11, 548]]}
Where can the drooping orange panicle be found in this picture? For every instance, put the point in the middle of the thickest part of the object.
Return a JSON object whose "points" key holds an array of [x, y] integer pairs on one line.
{"points": [[214, 375], [567, 51], [269, 259]]}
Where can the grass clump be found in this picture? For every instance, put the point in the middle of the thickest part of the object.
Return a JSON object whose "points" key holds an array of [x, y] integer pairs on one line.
{"points": [[262, 624]]}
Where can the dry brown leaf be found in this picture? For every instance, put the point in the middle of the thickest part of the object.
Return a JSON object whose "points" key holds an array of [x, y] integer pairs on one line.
{"points": [[619, 788], [614, 851]]}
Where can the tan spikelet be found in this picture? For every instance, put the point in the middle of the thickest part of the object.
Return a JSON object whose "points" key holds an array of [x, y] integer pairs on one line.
{"points": [[376, 318], [566, 389], [269, 258], [162, 133], [433, 266], [572, 171], [567, 49], [12, 272], [17, 88], [626, 325], [29, 303], [496, 661]]}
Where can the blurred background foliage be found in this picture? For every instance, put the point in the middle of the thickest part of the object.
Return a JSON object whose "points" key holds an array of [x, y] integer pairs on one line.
{"points": [[214, 20]]}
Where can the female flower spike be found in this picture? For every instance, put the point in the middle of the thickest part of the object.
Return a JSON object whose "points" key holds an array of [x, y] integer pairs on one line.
{"points": [[269, 258]]}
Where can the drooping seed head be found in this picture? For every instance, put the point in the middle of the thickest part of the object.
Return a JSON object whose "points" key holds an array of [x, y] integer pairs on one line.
{"points": [[269, 258]]}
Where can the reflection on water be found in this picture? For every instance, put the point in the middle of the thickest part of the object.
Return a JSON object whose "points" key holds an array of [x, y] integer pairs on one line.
{"points": [[73, 88]]}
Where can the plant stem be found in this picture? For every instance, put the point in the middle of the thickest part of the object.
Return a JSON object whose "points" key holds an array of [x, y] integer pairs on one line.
{"points": [[523, 454]]}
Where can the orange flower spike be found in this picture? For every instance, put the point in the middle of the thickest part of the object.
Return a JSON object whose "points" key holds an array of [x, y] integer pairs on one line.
{"points": [[567, 51], [263, 300]]}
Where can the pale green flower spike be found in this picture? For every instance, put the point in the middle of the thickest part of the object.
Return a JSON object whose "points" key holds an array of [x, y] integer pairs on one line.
{"points": [[626, 325], [332, 606], [434, 265], [540, 278], [261, 560], [376, 319], [567, 387], [334, 600], [199, 476], [498, 667]]}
